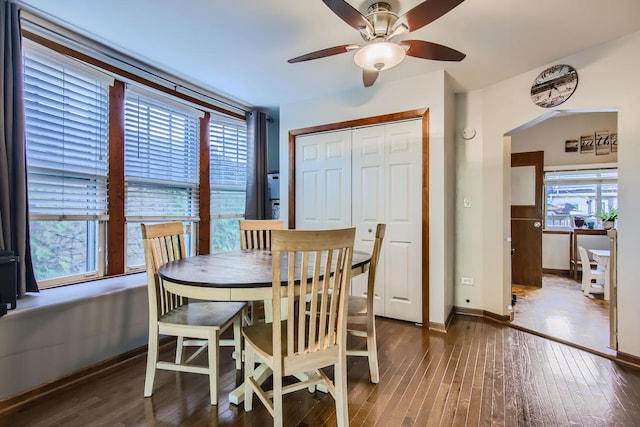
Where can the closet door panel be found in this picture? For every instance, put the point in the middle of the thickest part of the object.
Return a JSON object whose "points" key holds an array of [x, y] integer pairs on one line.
{"points": [[323, 180], [403, 255], [368, 201]]}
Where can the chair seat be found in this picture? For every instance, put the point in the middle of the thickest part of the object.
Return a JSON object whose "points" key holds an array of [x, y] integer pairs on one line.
{"points": [[260, 336], [207, 314], [357, 305]]}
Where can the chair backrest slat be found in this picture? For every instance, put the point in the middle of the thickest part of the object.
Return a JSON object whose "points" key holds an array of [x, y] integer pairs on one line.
{"points": [[373, 266]]}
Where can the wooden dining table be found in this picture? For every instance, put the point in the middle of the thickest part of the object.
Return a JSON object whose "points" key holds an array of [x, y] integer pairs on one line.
{"points": [[242, 275]]}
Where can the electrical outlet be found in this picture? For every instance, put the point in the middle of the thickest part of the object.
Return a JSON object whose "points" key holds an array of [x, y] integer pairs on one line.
{"points": [[466, 280]]}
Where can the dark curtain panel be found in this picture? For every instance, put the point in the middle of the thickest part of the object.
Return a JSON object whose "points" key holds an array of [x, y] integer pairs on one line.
{"points": [[14, 215], [256, 206]]}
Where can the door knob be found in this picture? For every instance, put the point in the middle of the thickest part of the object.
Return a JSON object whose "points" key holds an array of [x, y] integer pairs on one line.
{"points": [[537, 224]]}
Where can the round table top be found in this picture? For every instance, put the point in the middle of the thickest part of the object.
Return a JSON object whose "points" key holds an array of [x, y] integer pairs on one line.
{"points": [[235, 269]]}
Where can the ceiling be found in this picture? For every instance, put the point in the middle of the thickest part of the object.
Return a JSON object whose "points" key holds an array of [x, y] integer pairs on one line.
{"points": [[240, 48]]}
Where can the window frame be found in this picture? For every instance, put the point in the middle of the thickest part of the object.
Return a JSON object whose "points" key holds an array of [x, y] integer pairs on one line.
{"points": [[241, 153], [82, 50], [598, 182], [44, 57], [192, 188]]}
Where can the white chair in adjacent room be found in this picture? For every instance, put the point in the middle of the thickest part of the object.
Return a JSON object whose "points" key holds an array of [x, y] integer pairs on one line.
{"points": [[592, 280]]}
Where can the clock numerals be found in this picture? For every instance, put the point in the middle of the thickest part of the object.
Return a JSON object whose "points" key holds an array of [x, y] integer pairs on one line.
{"points": [[554, 85]]}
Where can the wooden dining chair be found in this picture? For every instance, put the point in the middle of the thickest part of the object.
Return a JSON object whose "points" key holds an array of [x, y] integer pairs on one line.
{"points": [[361, 319], [304, 343], [193, 323], [593, 281], [256, 234]]}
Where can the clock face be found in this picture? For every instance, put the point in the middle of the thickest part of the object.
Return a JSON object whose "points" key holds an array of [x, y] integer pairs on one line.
{"points": [[554, 85]]}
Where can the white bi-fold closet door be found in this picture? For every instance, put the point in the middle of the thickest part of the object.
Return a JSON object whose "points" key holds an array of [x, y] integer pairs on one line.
{"points": [[360, 177]]}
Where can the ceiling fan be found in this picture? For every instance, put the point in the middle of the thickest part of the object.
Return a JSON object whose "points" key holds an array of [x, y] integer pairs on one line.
{"points": [[378, 27]]}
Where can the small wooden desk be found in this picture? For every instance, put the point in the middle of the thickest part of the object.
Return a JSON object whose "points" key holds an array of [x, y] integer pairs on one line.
{"points": [[574, 261], [233, 276]]}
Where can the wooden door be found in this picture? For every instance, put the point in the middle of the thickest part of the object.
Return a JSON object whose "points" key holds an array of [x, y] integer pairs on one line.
{"points": [[387, 183], [527, 217], [323, 180]]}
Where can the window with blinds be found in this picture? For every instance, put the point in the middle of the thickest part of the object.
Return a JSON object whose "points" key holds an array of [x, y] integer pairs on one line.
{"points": [[66, 107], [228, 177], [161, 165], [579, 193]]}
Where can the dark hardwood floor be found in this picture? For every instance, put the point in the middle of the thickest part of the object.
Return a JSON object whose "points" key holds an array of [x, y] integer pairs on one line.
{"points": [[480, 373]]}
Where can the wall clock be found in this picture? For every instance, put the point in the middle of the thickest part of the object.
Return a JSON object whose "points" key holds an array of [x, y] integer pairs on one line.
{"points": [[554, 85]]}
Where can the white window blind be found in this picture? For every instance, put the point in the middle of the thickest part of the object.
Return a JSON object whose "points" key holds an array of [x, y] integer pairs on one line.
{"points": [[66, 127], [161, 159], [228, 167], [581, 176]]}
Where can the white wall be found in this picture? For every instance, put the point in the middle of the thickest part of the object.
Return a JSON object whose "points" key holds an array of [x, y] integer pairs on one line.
{"points": [[410, 94], [62, 330], [608, 80], [555, 248]]}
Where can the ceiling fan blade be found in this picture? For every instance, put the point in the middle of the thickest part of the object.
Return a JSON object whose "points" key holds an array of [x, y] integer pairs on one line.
{"points": [[428, 50], [324, 52], [369, 77], [426, 12], [348, 14]]}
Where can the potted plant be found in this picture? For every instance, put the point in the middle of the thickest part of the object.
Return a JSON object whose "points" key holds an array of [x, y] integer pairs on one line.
{"points": [[608, 218]]}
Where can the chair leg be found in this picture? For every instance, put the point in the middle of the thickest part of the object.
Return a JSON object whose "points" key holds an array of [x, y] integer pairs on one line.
{"points": [[237, 341], [340, 382], [152, 360], [372, 351], [249, 366], [214, 353], [179, 348], [278, 416]]}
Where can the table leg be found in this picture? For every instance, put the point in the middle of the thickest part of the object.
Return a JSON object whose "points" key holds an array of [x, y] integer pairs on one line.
{"points": [[261, 374]]}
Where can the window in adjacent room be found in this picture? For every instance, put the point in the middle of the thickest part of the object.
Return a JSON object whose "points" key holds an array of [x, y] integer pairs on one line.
{"points": [[66, 107], [579, 193]]}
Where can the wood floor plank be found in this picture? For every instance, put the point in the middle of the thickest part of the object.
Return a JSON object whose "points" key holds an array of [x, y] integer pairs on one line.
{"points": [[434, 358], [486, 406], [628, 395], [498, 395], [516, 363], [576, 393], [452, 402], [553, 404], [430, 412], [479, 373], [468, 375], [445, 388]]}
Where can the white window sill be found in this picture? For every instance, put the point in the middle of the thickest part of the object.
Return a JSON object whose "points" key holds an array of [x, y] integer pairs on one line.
{"points": [[70, 294]]}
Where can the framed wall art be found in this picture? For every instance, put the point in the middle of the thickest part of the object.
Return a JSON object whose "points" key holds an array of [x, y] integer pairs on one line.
{"points": [[587, 144], [571, 146], [613, 138], [603, 143]]}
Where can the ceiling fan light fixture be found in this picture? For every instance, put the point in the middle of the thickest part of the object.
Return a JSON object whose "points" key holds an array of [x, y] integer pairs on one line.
{"points": [[379, 56]]}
